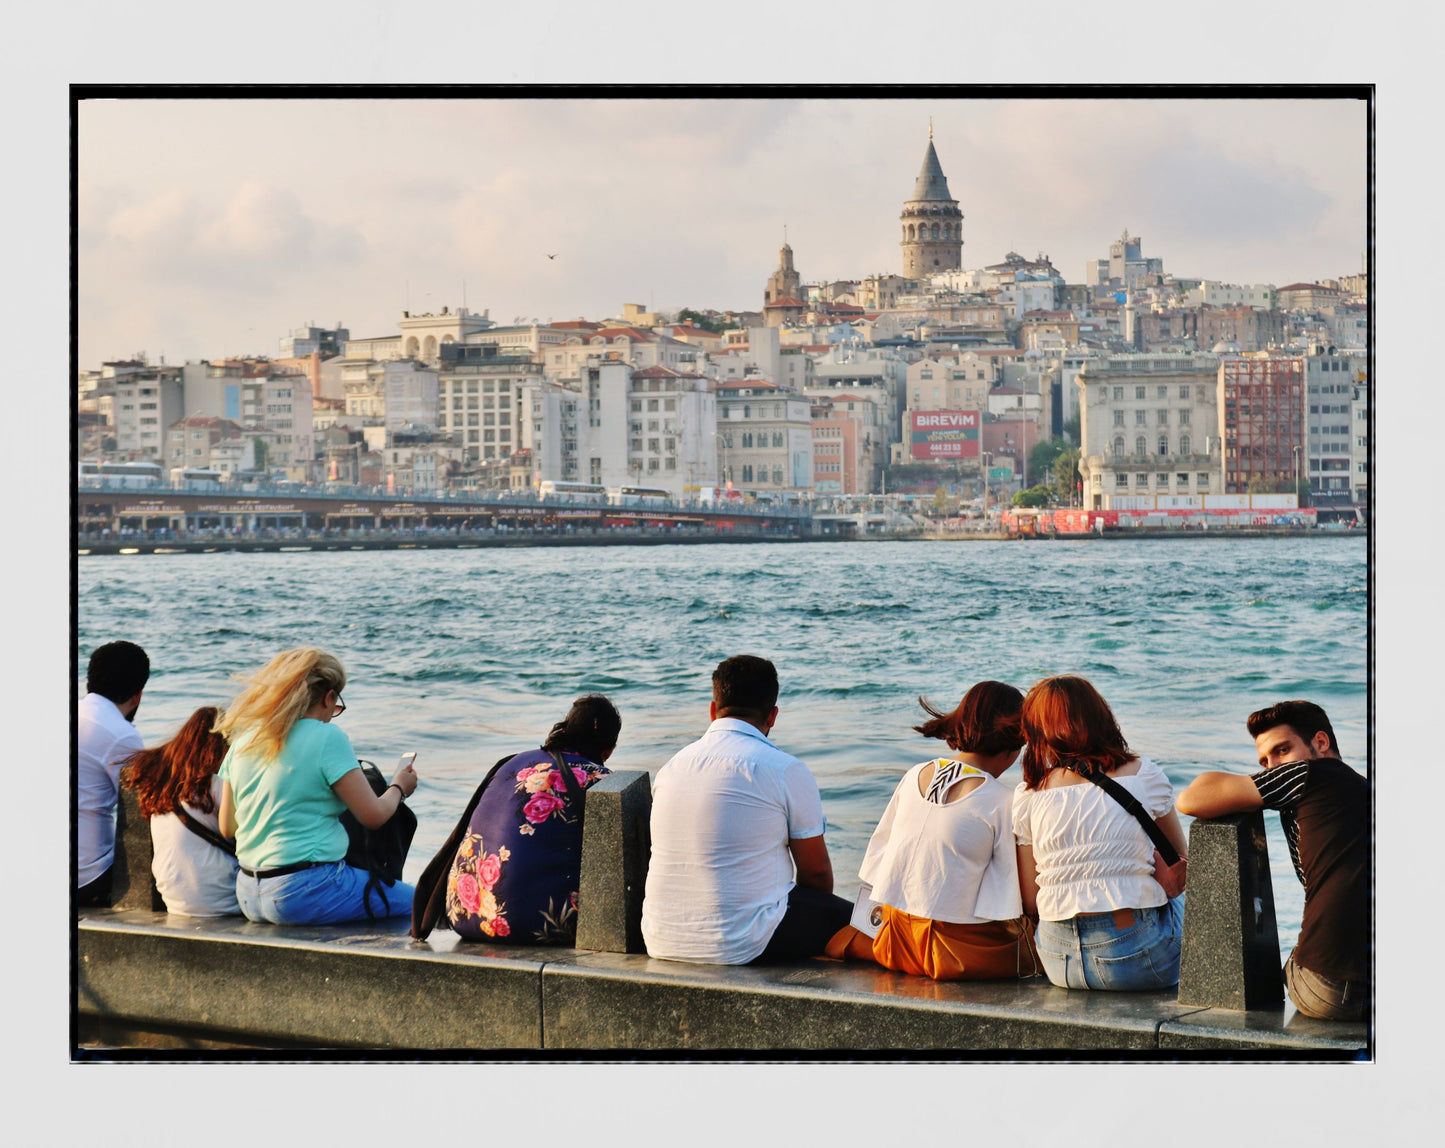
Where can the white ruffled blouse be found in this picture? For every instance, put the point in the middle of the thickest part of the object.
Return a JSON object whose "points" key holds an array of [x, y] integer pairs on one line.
{"points": [[1090, 853]]}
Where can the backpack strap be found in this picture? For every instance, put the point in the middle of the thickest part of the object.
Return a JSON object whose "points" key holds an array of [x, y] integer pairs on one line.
{"points": [[205, 832], [431, 888], [1131, 803]]}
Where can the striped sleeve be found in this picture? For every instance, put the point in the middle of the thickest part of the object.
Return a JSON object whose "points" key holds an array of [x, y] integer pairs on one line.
{"points": [[1282, 786]]}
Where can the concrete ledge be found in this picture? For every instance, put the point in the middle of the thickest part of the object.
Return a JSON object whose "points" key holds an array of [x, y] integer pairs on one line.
{"points": [[152, 980]]}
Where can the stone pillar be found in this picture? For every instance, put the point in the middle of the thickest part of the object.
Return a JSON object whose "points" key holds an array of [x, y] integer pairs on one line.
{"points": [[616, 846], [133, 885], [1230, 953]]}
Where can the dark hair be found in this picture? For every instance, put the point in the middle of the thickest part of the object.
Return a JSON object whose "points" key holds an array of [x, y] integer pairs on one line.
{"points": [[986, 721], [178, 770], [1305, 718], [590, 728], [745, 686], [1069, 725], [117, 671]]}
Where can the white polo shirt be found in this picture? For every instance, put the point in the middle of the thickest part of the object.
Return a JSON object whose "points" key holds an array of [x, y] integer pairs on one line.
{"points": [[103, 740], [723, 811]]}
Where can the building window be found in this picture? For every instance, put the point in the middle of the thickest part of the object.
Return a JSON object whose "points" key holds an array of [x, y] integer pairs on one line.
{"points": [[1181, 480], [1163, 444], [1121, 481], [1141, 446], [1138, 392], [1163, 392], [1184, 391], [748, 473], [1184, 417], [1141, 480], [1141, 418], [1202, 478], [1118, 393], [1118, 446], [1163, 419], [747, 438]]}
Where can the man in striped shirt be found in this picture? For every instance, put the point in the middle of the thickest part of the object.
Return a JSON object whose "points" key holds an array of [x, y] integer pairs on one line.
{"points": [[1324, 808]]}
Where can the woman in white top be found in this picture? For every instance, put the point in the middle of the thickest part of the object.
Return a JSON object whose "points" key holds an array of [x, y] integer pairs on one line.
{"points": [[195, 878], [1110, 912], [941, 862]]}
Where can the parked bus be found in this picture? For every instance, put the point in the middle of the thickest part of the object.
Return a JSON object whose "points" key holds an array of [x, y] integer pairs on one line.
{"points": [[126, 475], [573, 491], [637, 495], [196, 477]]}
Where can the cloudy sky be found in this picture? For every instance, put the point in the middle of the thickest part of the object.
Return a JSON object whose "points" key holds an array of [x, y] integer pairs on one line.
{"points": [[211, 227]]}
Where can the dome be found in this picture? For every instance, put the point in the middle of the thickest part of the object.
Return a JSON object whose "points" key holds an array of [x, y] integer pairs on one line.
{"points": [[1225, 349]]}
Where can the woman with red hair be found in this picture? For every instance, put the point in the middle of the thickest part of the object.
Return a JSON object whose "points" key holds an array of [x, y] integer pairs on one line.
{"points": [[1110, 912], [178, 788]]}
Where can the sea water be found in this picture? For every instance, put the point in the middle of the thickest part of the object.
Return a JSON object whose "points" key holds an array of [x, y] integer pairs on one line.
{"points": [[467, 655]]}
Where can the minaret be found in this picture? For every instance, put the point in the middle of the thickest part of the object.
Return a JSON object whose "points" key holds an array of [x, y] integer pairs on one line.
{"points": [[932, 227]]}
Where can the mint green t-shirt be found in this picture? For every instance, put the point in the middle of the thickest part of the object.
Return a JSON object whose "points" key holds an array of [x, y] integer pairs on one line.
{"points": [[286, 810]]}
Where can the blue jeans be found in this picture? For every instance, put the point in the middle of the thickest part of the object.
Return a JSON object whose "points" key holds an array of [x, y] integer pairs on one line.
{"points": [[1093, 952], [325, 895]]}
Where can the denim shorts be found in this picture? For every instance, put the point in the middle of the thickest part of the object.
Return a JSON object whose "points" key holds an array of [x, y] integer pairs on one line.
{"points": [[326, 895], [1092, 952]]}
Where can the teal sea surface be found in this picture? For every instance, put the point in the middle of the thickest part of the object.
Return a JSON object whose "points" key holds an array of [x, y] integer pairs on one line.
{"points": [[466, 655]]}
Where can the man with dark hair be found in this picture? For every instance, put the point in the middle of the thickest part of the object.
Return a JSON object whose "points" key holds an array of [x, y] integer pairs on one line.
{"points": [[1324, 807], [105, 737], [732, 815]]}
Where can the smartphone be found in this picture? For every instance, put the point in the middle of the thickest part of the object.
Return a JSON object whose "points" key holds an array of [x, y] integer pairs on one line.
{"points": [[406, 760]]}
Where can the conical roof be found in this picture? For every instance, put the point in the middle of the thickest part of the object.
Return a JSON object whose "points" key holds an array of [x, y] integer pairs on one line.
{"points": [[931, 181]]}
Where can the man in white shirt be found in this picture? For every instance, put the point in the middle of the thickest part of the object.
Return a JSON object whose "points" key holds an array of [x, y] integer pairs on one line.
{"points": [[105, 737], [731, 816]]}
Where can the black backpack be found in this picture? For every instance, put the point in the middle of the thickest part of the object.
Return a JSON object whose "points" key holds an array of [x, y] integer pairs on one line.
{"points": [[381, 852]]}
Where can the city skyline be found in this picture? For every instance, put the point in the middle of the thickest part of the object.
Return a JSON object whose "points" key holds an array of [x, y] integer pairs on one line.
{"points": [[409, 204]]}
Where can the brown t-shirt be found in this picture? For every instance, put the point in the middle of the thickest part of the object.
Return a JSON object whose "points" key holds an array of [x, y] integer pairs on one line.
{"points": [[1324, 807]]}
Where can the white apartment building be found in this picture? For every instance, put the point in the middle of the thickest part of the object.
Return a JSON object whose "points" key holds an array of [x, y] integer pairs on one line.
{"points": [[480, 397], [1336, 420], [654, 427], [281, 406], [410, 391], [1213, 293], [423, 334], [764, 436], [1149, 425], [146, 402]]}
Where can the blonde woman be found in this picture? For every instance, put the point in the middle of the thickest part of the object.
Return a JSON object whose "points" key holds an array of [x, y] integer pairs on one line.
{"points": [[285, 780]]}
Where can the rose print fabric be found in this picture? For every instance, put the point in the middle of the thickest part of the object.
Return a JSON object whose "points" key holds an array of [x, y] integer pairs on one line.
{"points": [[516, 871]]}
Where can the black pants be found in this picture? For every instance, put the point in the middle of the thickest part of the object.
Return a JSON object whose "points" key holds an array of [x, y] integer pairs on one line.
{"points": [[96, 895], [806, 928]]}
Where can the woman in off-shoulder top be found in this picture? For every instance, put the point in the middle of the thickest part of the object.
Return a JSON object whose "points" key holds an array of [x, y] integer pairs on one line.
{"points": [[1110, 912], [941, 863]]}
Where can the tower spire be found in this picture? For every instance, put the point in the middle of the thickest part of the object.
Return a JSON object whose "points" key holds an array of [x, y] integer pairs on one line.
{"points": [[930, 127]]}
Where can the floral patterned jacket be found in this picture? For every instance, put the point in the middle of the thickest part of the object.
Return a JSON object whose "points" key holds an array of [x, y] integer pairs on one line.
{"points": [[516, 872]]}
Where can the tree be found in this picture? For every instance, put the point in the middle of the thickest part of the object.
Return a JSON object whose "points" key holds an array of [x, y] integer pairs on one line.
{"points": [[1041, 458], [1072, 429], [1066, 474], [698, 319], [1262, 485], [1034, 496]]}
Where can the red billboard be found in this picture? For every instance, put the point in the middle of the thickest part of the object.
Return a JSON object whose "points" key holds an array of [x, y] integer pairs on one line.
{"points": [[944, 434]]}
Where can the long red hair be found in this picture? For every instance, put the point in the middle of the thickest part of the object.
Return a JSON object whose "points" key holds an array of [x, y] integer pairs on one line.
{"points": [[178, 770], [1069, 725]]}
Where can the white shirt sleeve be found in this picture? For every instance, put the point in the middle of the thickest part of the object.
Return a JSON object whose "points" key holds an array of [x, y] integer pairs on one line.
{"points": [[804, 803], [878, 843], [1023, 833], [1157, 795], [998, 891]]}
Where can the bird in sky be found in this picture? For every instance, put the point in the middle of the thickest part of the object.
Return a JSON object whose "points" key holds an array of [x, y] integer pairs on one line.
{"points": [[552, 256]]}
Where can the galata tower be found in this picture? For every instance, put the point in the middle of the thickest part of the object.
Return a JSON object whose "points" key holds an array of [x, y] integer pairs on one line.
{"points": [[932, 227]]}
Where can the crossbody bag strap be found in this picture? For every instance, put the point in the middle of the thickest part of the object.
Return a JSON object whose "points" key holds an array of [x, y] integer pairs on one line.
{"points": [[1131, 803], [574, 791], [205, 832], [431, 887]]}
